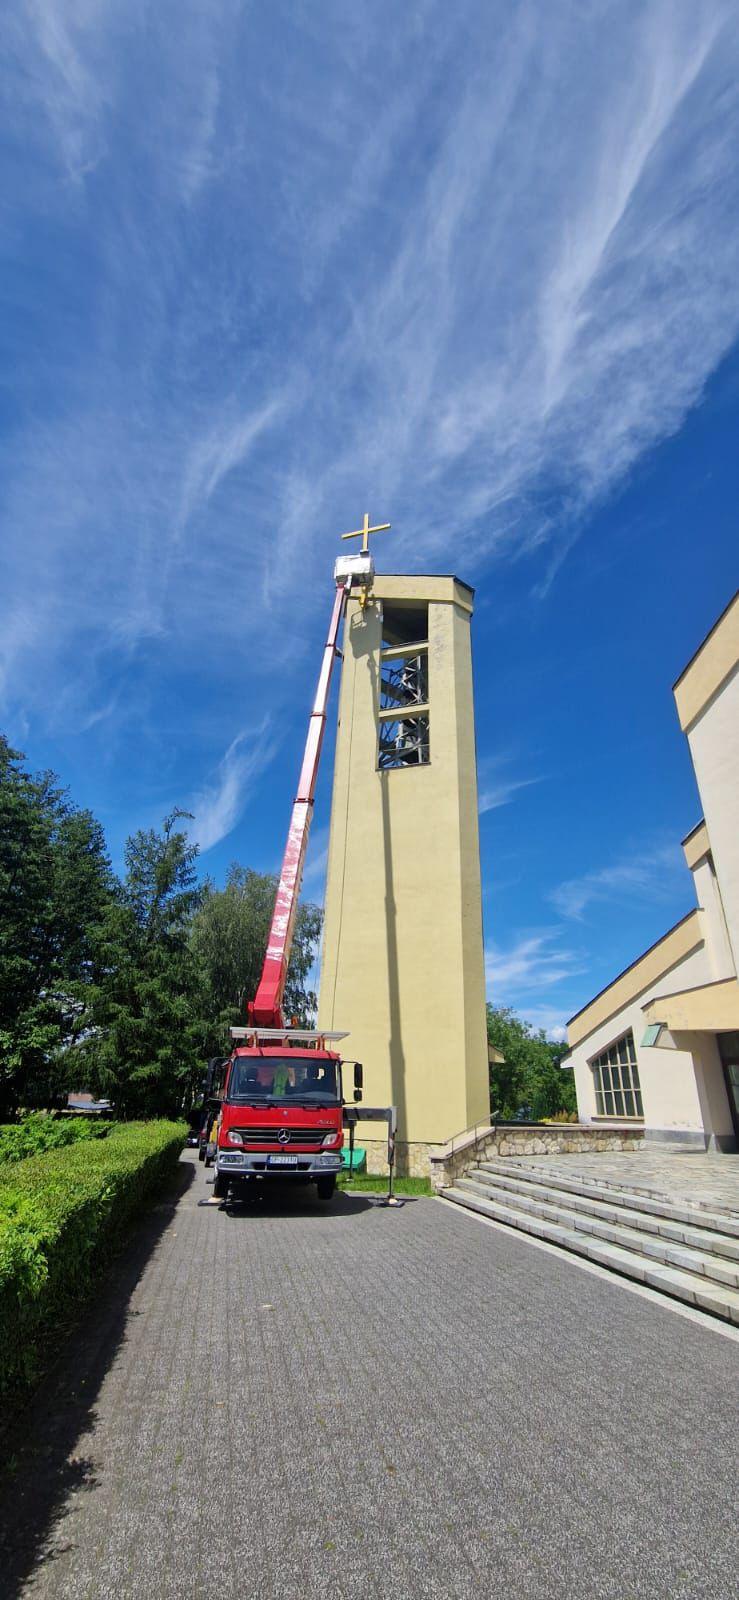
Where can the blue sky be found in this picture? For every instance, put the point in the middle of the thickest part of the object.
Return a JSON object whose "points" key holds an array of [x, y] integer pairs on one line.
{"points": [[474, 269]]}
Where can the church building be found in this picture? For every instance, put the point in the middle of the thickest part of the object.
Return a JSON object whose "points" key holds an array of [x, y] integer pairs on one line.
{"points": [[660, 1045]]}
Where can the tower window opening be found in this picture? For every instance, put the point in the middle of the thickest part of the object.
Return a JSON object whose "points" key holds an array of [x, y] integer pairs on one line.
{"points": [[404, 622], [404, 682], [404, 742], [404, 686]]}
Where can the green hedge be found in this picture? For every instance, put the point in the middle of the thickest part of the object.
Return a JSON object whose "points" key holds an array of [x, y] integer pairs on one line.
{"points": [[39, 1131], [62, 1215]]}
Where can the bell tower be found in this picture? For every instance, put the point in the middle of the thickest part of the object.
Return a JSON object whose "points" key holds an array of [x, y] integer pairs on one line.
{"points": [[403, 966]]}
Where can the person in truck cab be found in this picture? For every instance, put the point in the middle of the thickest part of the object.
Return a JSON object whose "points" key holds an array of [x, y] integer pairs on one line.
{"points": [[319, 1077], [273, 1079]]}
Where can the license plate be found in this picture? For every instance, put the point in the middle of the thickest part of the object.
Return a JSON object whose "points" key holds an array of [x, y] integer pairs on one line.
{"points": [[282, 1161]]}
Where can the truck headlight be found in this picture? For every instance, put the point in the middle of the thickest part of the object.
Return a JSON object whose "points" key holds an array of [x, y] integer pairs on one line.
{"points": [[234, 1136], [329, 1138]]}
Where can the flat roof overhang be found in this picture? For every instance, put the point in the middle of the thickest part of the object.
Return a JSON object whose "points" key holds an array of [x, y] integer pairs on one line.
{"points": [[647, 970], [711, 1008]]}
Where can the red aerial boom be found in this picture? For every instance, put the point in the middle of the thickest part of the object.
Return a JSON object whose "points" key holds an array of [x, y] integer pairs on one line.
{"points": [[275, 1107], [265, 1010]]}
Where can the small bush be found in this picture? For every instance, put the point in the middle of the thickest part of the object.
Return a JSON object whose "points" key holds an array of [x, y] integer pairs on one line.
{"points": [[39, 1132], [62, 1215]]}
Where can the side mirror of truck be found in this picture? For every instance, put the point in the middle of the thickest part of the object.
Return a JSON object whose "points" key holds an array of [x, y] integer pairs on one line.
{"points": [[358, 1075], [357, 1094]]}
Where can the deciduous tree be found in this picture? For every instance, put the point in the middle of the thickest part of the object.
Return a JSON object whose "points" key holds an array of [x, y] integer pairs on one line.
{"points": [[530, 1080], [55, 883], [143, 1040], [229, 938]]}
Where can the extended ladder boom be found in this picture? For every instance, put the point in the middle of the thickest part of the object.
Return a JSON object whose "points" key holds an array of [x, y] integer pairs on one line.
{"points": [[265, 1010]]}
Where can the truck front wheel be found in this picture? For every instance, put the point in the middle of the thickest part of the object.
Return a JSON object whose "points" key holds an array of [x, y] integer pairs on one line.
{"points": [[326, 1187]]}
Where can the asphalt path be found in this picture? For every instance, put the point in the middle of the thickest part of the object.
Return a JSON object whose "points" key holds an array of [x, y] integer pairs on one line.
{"points": [[287, 1401]]}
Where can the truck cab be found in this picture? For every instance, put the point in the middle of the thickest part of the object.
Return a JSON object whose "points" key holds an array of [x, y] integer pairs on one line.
{"points": [[281, 1115]]}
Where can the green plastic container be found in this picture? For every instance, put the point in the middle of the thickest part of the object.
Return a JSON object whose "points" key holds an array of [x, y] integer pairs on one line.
{"points": [[358, 1160]]}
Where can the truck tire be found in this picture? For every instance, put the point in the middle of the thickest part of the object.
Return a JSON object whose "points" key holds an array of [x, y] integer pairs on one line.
{"points": [[220, 1185], [326, 1187]]}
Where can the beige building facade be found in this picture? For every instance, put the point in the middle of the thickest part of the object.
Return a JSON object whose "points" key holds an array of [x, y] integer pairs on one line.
{"points": [[402, 964], [660, 1045]]}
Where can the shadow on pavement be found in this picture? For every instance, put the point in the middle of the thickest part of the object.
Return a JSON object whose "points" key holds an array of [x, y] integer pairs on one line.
{"points": [[40, 1467], [292, 1200], [287, 1202]]}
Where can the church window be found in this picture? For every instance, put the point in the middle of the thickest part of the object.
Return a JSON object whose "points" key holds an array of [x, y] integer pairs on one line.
{"points": [[404, 718], [616, 1079]]}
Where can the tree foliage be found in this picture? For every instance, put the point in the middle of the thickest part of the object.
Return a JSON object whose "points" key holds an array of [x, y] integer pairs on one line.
{"points": [[123, 987], [529, 1082], [141, 1040], [55, 882], [229, 938]]}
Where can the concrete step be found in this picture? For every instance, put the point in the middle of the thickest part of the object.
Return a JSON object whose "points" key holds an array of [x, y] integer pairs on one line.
{"points": [[634, 1184], [609, 1223], [695, 1234], [723, 1222], [691, 1287]]}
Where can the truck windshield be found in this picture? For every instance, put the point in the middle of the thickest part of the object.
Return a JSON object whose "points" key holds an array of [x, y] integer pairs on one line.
{"points": [[271, 1078]]}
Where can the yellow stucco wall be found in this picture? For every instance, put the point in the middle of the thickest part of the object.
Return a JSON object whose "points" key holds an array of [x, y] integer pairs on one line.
{"points": [[402, 964], [696, 845], [662, 957], [709, 667], [710, 1008]]}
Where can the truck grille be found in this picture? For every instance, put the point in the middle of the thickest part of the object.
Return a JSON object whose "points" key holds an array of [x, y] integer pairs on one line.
{"points": [[266, 1138]]}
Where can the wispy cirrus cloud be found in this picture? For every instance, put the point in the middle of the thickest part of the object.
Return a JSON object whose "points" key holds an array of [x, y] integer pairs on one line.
{"points": [[498, 787], [527, 974], [534, 961], [219, 805], [224, 446], [65, 88], [477, 310], [649, 874]]}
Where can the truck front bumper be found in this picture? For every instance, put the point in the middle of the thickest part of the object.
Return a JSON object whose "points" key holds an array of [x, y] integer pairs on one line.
{"points": [[266, 1164]]}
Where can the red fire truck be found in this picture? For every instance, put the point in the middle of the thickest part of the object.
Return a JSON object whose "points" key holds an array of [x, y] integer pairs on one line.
{"points": [[280, 1102], [282, 1111]]}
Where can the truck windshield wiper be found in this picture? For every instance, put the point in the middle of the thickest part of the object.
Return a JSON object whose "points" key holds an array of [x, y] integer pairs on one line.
{"points": [[312, 1105]]}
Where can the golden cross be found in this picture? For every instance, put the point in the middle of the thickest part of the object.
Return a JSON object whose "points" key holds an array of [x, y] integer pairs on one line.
{"points": [[364, 532]]}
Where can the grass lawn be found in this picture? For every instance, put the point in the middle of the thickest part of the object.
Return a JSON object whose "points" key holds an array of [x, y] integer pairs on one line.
{"points": [[369, 1183]]}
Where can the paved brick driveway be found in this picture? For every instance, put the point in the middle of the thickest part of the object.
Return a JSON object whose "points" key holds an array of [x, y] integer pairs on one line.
{"points": [[367, 1403]]}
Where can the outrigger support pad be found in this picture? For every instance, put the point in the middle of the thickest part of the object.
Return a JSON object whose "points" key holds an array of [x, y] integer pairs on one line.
{"points": [[388, 1114]]}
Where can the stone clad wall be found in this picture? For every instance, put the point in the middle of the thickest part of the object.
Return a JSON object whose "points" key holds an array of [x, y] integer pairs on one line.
{"points": [[411, 1156], [445, 1163], [453, 1160]]}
